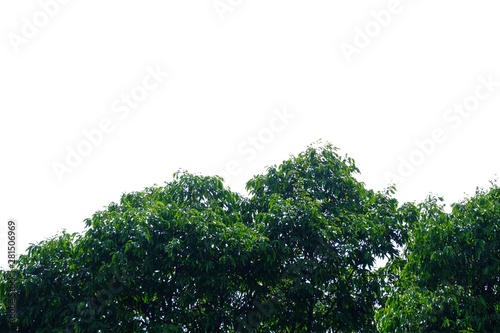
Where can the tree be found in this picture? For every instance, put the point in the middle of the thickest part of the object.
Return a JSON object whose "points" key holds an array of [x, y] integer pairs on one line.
{"points": [[448, 278], [183, 252], [46, 284], [297, 255], [327, 231], [168, 259]]}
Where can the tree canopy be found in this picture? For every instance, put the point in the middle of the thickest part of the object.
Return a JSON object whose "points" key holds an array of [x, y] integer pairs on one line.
{"points": [[298, 254], [448, 277]]}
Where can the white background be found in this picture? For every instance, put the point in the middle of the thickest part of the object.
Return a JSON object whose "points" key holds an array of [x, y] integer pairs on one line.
{"points": [[228, 74]]}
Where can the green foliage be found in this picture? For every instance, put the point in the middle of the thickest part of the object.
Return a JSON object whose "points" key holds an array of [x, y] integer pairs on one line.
{"points": [[46, 282], [327, 231], [448, 277], [297, 255]]}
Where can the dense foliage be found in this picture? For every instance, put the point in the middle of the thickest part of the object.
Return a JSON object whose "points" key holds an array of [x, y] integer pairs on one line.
{"points": [[448, 277], [298, 254]]}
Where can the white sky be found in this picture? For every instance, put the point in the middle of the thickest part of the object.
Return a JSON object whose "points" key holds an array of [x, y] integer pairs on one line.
{"points": [[230, 71]]}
